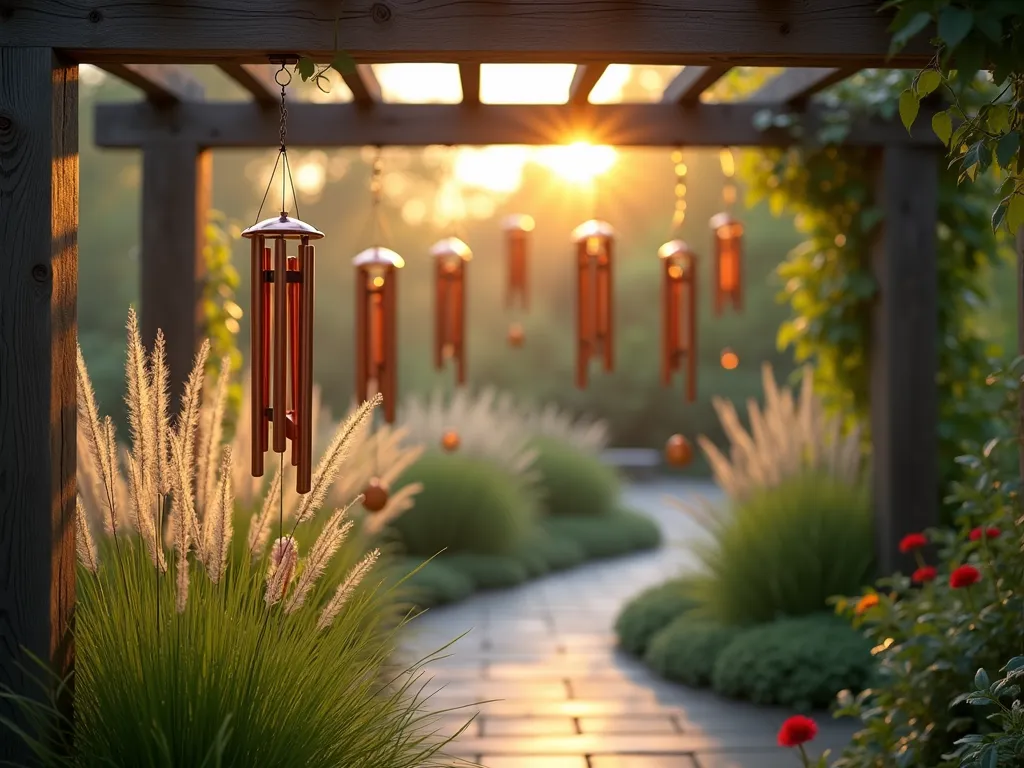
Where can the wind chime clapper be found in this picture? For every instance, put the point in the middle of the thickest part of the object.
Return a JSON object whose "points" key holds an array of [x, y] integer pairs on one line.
{"points": [[377, 326], [728, 235], [679, 314], [451, 255], [594, 242], [517, 248]]}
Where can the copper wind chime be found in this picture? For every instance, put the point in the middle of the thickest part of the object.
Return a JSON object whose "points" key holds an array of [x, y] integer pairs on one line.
{"points": [[377, 314], [282, 326], [594, 241], [679, 296], [451, 255], [517, 229], [728, 234]]}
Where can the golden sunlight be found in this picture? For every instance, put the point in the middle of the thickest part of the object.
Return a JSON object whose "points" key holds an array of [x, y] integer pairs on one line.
{"points": [[578, 163]]}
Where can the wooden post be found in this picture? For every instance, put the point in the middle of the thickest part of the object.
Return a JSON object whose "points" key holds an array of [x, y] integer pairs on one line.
{"points": [[903, 355], [175, 200], [38, 283]]}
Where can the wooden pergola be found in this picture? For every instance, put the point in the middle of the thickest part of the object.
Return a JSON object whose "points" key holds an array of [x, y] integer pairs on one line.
{"points": [[42, 42]]}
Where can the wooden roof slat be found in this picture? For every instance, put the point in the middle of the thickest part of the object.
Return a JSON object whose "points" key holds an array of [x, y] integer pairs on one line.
{"points": [[257, 79], [469, 74], [795, 86], [363, 84], [163, 84], [583, 81], [689, 84]]}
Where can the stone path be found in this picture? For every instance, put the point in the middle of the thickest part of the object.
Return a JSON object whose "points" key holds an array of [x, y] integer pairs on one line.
{"points": [[559, 695]]}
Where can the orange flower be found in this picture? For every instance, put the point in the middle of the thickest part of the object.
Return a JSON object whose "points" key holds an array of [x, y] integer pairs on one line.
{"points": [[866, 602]]}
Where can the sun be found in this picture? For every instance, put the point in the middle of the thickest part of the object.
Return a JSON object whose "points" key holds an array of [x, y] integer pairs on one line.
{"points": [[578, 163]]}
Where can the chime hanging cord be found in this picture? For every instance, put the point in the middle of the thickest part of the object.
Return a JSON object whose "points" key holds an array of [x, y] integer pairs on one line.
{"points": [[728, 163], [679, 168]]}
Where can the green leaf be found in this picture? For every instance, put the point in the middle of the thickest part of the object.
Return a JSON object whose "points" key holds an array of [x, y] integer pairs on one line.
{"points": [[990, 26], [990, 757], [998, 118], [999, 215], [343, 63], [306, 68], [1015, 213], [954, 25], [910, 105], [927, 82], [1006, 150], [981, 681], [902, 36], [942, 124], [1014, 664]]}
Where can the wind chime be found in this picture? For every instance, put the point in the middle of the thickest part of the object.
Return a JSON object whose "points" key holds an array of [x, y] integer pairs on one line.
{"points": [[679, 296], [282, 325], [594, 241], [377, 313], [728, 234], [451, 255], [517, 229]]}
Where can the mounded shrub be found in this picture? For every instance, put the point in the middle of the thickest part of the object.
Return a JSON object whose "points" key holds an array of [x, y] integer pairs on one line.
{"points": [[651, 611], [798, 663], [487, 571], [434, 583], [685, 651], [617, 533], [559, 552], [467, 504], [573, 481]]}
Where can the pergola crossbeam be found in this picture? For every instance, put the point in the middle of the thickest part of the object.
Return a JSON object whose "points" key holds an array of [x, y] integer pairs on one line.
{"points": [[689, 84], [583, 81], [256, 79], [162, 84], [796, 86], [363, 84], [469, 74]]}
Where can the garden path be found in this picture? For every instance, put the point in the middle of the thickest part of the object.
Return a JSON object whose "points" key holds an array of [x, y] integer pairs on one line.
{"points": [[565, 697]]}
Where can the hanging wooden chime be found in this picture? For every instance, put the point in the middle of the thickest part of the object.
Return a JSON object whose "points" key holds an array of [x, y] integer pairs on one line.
{"points": [[517, 249], [377, 326], [451, 256], [679, 314], [594, 241], [728, 234]]}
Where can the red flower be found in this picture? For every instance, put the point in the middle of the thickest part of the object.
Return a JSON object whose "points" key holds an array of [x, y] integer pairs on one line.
{"points": [[797, 730], [924, 574], [912, 541], [988, 533], [964, 576]]}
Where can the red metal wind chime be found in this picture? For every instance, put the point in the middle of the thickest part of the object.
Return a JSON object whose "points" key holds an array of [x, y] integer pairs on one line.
{"points": [[451, 255], [517, 229], [728, 235], [282, 328], [594, 241]]}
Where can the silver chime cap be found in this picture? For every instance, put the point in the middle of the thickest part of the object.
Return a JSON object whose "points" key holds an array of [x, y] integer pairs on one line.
{"points": [[721, 220], [283, 226], [451, 247], [520, 222], [592, 228], [378, 256], [675, 249]]}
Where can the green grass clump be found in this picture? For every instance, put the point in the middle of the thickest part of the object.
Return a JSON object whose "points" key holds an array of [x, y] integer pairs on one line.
{"points": [[798, 663], [467, 504], [573, 481], [431, 583], [685, 651], [785, 550], [556, 553], [651, 611], [611, 535], [487, 571]]}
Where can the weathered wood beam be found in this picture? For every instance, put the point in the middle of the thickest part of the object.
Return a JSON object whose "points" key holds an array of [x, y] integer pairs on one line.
{"points": [[903, 356], [176, 184], [417, 125], [796, 86], [38, 333], [469, 74], [583, 81], [738, 32], [161, 83], [364, 86], [257, 79], [689, 84]]}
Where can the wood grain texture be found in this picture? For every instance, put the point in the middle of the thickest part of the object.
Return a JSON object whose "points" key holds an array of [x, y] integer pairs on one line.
{"points": [[737, 32], [795, 86], [162, 84], [583, 81], [903, 355], [257, 80], [689, 84], [469, 75], [176, 186], [417, 125], [38, 281]]}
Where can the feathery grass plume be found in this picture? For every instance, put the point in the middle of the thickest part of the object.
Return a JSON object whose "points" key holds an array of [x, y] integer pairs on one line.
{"points": [[161, 412], [247, 487], [399, 502], [181, 521], [220, 530], [284, 556], [347, 588], [191, 402], [97, 439], [141, 418], [383, 454], [327, 543], [337, 452], [144, 524], [211, 434], [84, 543], [259, 524], [87, 474]]}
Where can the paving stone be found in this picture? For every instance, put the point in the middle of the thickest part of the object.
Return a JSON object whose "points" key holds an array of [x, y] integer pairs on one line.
{"points": [[554, 708], [528, 726], [649, 724], [607, 689], [585, 744], [643, 761], [533, 761]]}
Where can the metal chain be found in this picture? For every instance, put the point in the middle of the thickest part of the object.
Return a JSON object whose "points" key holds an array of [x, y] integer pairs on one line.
{"points": [[283, 130], [679, 214], [728, 163], [376, 191]]}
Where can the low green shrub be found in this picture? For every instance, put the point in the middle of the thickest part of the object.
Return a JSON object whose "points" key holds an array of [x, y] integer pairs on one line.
{"points": [[685, 651], [573, 481], [784, 551], [434, 583], [557, 552], [800, 663], [487, 571], [618, 533], [467, 504], [650, 612]]}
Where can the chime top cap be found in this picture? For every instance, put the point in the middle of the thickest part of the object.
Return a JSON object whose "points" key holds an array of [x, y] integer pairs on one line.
{"points": [[521, 222], [378, 256], [592, 228], [283, 226], [675, 248], [451, 246], [724, 220]]}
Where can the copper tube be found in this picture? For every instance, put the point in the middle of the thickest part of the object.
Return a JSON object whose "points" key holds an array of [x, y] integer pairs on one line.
{"points": [[294, 306], [362, 341], [524, 271], [691, 331], [458, 330], [668, 323], [280, 385], [305, 400], [267, 314], [441, 297], [389, 313], [377, 330], [606, 290], [256, 414], [584, 317]]}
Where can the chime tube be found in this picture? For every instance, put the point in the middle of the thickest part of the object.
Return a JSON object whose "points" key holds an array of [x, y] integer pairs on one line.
{"points": [[605, 319], [669, 325], [389, 377], [267, 314], [280, 386], [691, 334], [362, 331], [441, 298], [294, 308], [584, 314], [257, 415], [458, 317], [305, 401]]}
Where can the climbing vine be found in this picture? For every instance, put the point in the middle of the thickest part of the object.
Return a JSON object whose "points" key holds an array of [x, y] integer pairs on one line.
{"points": [[221, 313]]}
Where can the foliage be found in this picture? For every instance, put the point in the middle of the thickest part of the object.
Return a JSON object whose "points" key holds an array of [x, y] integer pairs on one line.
{"points": [[618, 533], [544, 548], [931, 638], [650, 612], [467, 504], [1002, 698], [972, 36], [800, 663], [431, 583], [572, 481], [221, 314], [686, 650], [785, 551], [488, 571]]}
